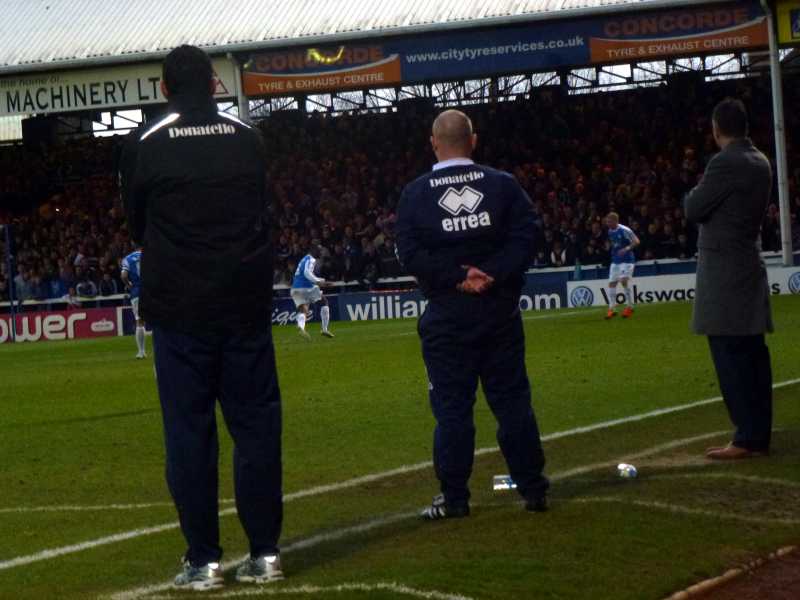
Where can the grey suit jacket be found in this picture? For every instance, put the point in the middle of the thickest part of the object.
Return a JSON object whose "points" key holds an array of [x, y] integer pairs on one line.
{"points": [[732, 293]]}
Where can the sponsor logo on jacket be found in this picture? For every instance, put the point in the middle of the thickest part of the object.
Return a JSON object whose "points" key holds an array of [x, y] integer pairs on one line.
{"points": [[466, 200], [202, 130]]}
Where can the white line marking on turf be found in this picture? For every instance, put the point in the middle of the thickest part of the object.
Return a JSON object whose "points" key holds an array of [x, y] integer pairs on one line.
{"points": [[54, 552], [629, 457], [686, 510], [395, 588], [555, 316], [323, 489], [302, 544], [312, 541], [94, 507]]}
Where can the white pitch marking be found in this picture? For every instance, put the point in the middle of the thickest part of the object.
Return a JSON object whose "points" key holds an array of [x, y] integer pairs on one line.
{"points": [[93, 507], [338, 589], [54, 552], [323, 489], [134, 594], [686, 510], [630, 457], [302, 544], [555, 316]]}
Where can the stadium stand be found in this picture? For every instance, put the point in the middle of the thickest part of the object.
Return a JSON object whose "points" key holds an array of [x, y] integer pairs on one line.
{"points": [[336, 181]]}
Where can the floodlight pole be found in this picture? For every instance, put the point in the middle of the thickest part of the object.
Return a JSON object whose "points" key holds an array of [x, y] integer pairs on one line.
{"points": [[11, 293], [780, 137], [242, 102]]}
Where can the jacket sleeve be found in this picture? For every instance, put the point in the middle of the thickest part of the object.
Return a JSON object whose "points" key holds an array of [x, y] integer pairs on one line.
{"points": [[430, 270], [516, 253], [133, 200], [706, 196]]}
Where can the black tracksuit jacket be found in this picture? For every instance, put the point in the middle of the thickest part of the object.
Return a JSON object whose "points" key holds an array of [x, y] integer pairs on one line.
{"points": [[193, 186]]}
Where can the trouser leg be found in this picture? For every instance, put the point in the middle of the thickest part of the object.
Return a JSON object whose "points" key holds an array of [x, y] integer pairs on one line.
{"points": [[251, 405], [453, 381], [505, 383], [187, 370], [743, 369]]}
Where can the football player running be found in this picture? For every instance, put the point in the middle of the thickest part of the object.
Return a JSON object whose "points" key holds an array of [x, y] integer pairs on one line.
{"points": [[306, 291]]}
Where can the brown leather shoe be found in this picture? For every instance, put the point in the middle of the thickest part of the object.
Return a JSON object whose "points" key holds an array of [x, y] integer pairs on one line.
{"points": [[731, 452]]}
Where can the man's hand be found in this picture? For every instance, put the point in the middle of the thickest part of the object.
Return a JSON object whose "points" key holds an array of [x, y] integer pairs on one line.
{"points": [[476, 282], [622, 252]]}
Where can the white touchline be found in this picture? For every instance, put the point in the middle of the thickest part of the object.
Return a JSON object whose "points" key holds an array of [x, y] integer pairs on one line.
{"points": [[94, 507], [312, 541], [555, 316], [686, 510], [395, 588], [301, 544], [323, 489], [631, 457]]}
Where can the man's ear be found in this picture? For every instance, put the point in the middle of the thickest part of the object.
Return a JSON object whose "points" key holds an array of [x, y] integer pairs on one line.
{"points": [[474, 141], [164, 90], [213, 85], [433, 144]]}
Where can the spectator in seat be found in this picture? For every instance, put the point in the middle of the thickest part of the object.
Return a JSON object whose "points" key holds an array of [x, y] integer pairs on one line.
{"points": [[390, 267], [108, 287], [86, 287], [558, 255]]}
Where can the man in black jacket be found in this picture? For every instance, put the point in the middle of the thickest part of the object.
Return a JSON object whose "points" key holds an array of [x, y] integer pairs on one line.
{"points": [[194, 190], [466, 231]]}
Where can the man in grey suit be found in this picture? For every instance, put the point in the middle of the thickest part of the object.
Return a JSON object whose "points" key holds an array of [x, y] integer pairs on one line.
{"points": [[732, 297]]}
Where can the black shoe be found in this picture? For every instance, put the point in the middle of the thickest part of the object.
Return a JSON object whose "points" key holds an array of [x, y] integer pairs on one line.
{"points": [[536, 504], [439, 509]]}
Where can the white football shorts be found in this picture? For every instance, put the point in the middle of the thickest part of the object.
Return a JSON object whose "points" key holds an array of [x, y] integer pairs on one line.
{"points": [[620, 271], [306, 295]]}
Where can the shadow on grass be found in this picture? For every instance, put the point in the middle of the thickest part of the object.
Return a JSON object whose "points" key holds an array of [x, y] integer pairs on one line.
{"points": [[86, 419]]}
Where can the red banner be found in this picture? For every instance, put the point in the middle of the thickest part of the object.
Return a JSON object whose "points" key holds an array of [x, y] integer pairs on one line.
{"points": [[60, 325]]}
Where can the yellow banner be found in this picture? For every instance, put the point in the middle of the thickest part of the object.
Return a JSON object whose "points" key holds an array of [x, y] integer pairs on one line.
{"points": [[788, 18]]}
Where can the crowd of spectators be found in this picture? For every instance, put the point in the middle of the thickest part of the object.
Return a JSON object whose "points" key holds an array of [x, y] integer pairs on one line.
{"points": [[335, 182]]}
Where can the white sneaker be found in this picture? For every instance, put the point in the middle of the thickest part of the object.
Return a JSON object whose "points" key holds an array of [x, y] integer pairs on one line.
{"points": [[260, 570], [304, 334], [207, 577], [141, 355]]}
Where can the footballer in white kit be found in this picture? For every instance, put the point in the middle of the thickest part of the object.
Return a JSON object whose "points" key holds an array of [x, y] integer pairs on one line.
{"points": [[623, 261], [306, 291]]}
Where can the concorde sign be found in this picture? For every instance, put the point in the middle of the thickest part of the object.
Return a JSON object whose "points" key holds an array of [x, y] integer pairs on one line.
{"points": [[94, 89]]}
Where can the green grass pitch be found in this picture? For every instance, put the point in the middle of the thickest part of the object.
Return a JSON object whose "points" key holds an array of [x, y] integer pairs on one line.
{"points": [[81, 428]]}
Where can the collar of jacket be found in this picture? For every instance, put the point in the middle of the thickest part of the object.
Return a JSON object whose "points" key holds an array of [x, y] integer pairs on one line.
{"points": [[742, 142], [192, 103]]}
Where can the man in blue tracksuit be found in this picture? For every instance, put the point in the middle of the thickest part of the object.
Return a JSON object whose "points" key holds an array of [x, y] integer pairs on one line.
{"points": [[465, 231]]}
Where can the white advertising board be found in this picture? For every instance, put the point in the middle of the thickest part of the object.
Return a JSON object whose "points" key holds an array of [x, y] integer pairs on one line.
{"points": [[91, 89], [668, 288]]}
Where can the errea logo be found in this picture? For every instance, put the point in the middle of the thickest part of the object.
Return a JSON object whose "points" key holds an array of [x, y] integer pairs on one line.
{"points": [[454, 202], [466, 200]]}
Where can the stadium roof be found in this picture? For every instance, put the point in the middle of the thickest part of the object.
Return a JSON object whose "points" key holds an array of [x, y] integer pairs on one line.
{"points": [[48, 34]]}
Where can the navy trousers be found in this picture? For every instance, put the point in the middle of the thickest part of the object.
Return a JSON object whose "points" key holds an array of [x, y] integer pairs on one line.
{"points": [[239, 371], [745, 378], [457, 356]]}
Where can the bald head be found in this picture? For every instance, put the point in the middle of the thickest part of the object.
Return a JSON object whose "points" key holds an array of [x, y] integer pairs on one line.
{"points": [[452, 135]]}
